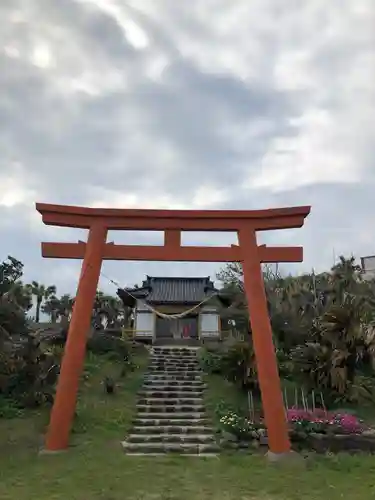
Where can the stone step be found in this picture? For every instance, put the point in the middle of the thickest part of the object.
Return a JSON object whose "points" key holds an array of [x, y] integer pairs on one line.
{"points": [[172, 421], [175, 384], [170, 401], [178, 448], [188, 409], [182, 377], [174, 373], [181, 394], [173, 429], [187, 455], [175, 366], [191, 416], [174, 359], [178, 344], [174, 369], [172, 389], [174, 356], [174, 353], [171, 438]]}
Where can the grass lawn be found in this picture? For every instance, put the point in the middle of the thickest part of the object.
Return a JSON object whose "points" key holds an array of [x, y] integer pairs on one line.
{"points": [[96, 468]]}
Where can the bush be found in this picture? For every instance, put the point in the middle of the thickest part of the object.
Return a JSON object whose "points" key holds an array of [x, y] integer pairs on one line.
{"points": [[27, 374], [210, 360], [103, 343], [12, 318], [235, 361], [238, 366]]}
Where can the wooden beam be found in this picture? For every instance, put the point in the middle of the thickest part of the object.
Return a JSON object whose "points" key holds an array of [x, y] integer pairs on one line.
{"points": [[175, 214], [182, 220], [200, 224], [162, 253]]}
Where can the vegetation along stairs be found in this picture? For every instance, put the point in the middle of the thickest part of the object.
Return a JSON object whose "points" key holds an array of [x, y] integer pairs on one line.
{"points": [[171, 416]]}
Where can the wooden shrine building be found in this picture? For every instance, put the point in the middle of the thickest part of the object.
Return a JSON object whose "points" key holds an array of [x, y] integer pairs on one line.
{"points": [[159, 300]]}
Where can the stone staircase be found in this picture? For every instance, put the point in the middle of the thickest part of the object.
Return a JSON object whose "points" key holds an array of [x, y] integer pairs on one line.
{"points": [[171, 416]]}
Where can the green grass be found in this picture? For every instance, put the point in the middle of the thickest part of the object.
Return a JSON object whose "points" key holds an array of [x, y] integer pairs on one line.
{"points": [[95, 468]]}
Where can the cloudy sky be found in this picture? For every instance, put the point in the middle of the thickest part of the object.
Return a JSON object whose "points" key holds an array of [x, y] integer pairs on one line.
{"points": [[224, 104]]}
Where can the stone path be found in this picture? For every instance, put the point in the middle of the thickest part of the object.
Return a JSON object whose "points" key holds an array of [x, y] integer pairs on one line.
{"points": [[171, 414]]}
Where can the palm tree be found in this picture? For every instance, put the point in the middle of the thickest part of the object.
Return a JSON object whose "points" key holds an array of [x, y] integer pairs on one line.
{"points": [[41, 292], [108, 311], [51, 308]]}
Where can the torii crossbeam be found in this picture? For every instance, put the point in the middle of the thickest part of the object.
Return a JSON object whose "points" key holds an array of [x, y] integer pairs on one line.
{"points": [[172, 222]]}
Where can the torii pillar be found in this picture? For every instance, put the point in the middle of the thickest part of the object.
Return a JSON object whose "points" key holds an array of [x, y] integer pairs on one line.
{"points": [[172, 222]]}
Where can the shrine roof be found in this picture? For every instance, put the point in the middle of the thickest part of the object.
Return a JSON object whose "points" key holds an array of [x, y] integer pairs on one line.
{"points": [[173, 290]]}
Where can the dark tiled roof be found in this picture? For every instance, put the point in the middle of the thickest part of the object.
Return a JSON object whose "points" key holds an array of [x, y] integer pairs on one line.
{"points": [[174, 290]]}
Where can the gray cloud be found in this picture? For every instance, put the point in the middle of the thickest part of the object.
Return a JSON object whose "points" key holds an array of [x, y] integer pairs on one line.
{"points": [[239, 105]]}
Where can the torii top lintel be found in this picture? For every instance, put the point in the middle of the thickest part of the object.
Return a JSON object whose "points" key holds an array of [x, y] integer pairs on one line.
{"points": [[183, 220]]}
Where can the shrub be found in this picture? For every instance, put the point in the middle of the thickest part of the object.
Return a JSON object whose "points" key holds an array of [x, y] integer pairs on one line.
{"points": [[238, 366], [103, 343], [210, 360], [27, 374]]}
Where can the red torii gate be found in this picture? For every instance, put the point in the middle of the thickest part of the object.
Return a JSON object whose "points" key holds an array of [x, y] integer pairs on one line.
{"points": [[172, 222]]}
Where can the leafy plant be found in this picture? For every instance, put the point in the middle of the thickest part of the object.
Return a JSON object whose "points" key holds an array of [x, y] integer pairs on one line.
{"points": [[238, 365], [102, 343], [210, 360]]}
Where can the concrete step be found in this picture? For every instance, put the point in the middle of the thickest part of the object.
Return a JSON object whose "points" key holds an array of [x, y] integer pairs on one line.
{"points": [[171, 438], [170, 421], [170, 401], [181, 394], [178, 448], [188, 409], [190, 416], [173, 429]]}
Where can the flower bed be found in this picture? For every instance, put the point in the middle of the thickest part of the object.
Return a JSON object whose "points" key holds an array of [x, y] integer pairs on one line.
{"points": [[317, 430], [323, 422]]}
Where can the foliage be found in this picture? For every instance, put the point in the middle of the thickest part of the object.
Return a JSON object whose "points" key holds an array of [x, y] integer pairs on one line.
{"points": [[323, 325], [27, 374], [210, 360], [41, 292], [102, 343], [238, 365], [235, 361], [58, 308]]}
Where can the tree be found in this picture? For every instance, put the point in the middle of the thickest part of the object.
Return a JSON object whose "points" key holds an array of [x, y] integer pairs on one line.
{"points": [[58, 308], [41, 292], [14, 300], [109, 312]]}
